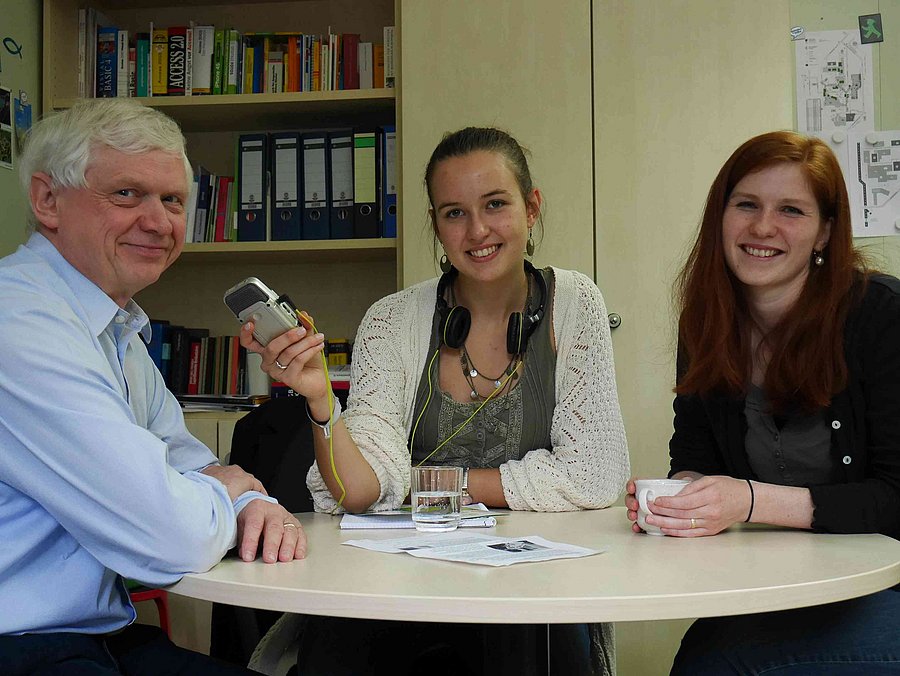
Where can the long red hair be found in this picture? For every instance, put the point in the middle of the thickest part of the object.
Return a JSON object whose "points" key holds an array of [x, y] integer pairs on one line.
{"points": [[807, 366]]}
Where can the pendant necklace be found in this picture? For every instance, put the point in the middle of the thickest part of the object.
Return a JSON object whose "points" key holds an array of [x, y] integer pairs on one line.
{"points": [[470, 371]]}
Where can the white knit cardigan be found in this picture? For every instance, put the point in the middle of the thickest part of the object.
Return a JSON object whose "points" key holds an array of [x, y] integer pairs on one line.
{"points": [[586, 468]]}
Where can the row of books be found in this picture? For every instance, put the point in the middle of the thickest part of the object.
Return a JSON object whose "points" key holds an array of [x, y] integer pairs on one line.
{"points": [[292, 185], [202, 59], [193, 362], [211, 208]]}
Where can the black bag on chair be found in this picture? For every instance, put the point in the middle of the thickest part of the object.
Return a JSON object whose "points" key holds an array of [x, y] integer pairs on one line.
{"points": [[275, 444]]}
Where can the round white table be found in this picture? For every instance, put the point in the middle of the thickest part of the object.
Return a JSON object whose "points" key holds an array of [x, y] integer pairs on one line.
{"points": [[746, 569]]}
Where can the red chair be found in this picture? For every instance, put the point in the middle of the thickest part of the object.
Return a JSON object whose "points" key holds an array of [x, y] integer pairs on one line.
{"points": [[160, 597]]}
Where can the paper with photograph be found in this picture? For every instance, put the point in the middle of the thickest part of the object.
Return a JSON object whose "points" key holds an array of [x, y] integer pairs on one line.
{"points": [[479, 549]]}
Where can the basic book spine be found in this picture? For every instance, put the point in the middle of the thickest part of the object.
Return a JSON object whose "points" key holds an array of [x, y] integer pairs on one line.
{"points": [[106, 62]]}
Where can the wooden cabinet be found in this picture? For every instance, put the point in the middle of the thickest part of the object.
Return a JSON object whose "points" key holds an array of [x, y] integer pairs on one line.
{"points": [[215, 429]]}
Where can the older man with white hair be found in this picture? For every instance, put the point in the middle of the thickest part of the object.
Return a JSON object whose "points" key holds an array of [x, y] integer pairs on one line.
{"points": [[99, 478]]}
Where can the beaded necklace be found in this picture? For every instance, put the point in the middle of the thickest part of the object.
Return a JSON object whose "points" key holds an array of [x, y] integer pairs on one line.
{"points": [[470, 371]]}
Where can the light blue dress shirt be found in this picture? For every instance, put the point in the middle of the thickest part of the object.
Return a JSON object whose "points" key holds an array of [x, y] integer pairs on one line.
{"points": [[99, 478]]}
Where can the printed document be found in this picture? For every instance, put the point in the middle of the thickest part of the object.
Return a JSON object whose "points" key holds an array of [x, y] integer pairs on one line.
{"points": [[476, 548], [835, 89], [873, 182]]}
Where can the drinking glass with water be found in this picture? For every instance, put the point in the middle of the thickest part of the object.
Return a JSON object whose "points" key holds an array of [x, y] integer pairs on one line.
{"points": [[436, 496]]}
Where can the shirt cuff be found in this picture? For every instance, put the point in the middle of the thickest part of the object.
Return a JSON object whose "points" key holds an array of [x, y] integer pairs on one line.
{"points": [[244, 499]]}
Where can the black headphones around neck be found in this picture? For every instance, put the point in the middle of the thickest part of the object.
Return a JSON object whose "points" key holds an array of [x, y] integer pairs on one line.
{"points": [[456, 321]]}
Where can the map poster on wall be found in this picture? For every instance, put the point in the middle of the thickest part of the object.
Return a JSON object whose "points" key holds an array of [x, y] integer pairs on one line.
{"points": [[834, 82], [6, 140], [873, 181]]}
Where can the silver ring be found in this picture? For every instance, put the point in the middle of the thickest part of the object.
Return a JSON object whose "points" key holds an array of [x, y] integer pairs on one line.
{"points": [[280, 365], [693, 522], [288, 524]]}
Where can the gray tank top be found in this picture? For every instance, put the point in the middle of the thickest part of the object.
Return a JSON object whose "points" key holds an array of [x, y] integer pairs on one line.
{"points": [[798, 454], [509, 426]]}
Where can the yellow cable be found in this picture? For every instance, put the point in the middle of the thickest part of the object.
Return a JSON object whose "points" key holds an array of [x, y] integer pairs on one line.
{"points": [[466, 422], [303, 317], [427, 400]]}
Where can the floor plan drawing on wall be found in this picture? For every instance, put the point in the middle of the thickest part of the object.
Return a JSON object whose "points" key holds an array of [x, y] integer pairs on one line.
{"points": [[873, 181], [834, 82]]}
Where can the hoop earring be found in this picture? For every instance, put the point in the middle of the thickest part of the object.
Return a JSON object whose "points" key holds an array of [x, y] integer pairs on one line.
{"points": [[529, 245], [446, 265], [818, 259]]}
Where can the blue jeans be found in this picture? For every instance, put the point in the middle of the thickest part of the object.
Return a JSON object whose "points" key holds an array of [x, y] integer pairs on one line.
{"points": [[859, 636], [138, 650]]}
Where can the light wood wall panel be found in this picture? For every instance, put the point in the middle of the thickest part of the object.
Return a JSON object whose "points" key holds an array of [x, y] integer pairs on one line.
{"points": [[522, 66], [678, 85]]}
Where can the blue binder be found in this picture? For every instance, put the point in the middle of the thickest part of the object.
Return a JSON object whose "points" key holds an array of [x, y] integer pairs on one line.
{"points": [[340, 150], [155, 346], [286, 185], [388, 171], [253, 187], [315, 186]]}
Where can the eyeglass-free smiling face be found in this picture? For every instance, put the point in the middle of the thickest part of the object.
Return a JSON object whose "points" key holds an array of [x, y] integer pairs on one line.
{"points": [[770, 228], [480, 217], [126, 226]]}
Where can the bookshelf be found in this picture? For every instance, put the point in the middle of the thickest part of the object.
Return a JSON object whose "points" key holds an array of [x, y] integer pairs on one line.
{"points": [[335, 279], [229, 112]]}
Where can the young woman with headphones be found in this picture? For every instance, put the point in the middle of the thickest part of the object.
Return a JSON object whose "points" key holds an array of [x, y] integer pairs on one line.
{"points": [[497, 366]]}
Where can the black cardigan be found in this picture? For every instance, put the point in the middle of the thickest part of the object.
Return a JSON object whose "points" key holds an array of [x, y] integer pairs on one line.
{"points": [[865, 421]]}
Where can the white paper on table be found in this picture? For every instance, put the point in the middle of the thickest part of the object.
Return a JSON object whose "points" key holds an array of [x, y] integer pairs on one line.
{"points": [[476, 548], [873, 182], [402, 518], [835, 88]]}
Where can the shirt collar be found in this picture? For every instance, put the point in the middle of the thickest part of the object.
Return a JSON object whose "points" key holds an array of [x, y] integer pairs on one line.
{"points": [[99, 308]]}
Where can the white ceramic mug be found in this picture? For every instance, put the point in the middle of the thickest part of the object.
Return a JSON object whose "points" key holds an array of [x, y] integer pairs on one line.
{"points": [[647, 490]]}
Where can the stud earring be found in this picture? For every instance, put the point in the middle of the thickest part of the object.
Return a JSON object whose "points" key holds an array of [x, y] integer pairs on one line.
{"points": [[818, 259], [529, 245], [446, 265]]}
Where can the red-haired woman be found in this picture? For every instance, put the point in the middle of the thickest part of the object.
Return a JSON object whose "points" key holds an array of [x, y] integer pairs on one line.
{"points": [[787, 407]]}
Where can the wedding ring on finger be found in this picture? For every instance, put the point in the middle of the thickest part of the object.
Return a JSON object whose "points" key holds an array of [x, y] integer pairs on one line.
{"points": [[280, 365], [288, 524], [693, 522]]}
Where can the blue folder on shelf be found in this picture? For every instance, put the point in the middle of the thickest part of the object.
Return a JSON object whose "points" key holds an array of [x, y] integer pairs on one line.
{"points": [[315, 186], [286, 185], [388, 172], [340, 149], [253, 181]]}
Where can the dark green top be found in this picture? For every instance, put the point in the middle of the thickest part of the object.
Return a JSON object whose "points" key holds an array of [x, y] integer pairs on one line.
{"points": [[509, 426]]}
